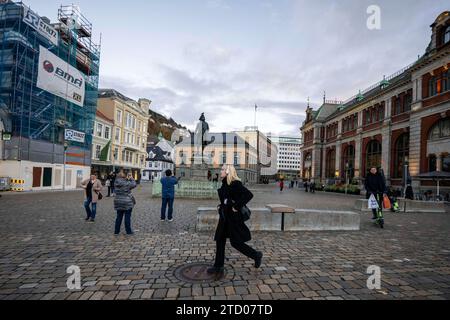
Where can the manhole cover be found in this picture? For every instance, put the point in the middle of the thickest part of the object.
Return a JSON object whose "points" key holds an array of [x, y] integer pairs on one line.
{"points": [[196, 273]]}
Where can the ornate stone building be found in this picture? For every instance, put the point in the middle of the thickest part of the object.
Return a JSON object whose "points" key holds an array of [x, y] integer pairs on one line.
{"points": [[401, 123]]}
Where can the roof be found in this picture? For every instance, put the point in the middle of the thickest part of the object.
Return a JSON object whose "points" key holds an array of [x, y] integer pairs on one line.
{"points": [[111, 93], [99, 114], [159, 154]]}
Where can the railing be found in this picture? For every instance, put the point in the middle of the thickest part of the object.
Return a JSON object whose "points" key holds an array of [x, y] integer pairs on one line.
{"points": [[378, 84]]}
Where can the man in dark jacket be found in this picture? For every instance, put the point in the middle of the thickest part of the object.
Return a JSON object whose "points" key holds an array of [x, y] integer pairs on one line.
{"points": [[375, 184], [168, 195]]}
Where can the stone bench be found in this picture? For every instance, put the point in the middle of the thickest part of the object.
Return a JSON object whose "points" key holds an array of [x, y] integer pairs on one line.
{"points": [[408, 206], [283, 218]]}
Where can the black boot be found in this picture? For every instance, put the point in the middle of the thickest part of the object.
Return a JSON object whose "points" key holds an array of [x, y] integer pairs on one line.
{"points": [[258, 260]]}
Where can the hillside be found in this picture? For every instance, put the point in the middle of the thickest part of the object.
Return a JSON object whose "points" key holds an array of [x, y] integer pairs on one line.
{"points": [[158, 123]]}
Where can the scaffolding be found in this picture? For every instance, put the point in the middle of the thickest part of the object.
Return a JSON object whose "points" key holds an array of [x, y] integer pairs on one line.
{"points": [[37, 118]]}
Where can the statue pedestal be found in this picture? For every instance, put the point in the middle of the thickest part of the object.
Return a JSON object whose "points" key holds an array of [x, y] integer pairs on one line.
{"points": [[199, 169]]}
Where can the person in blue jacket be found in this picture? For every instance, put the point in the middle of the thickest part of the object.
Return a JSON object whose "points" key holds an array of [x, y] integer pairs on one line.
{"points": [[168, 195]]}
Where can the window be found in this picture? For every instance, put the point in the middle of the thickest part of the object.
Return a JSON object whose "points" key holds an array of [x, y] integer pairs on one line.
{"points": [[330, 164], [117, 135], [440, 130], [373, 154], [397, 106], [432, 91], [447, 35], [119, 116], [445, 81], [349, 162], [224, 158], [401, 155], [99, 129], [98, 150], [107, 132], [116, 153]]}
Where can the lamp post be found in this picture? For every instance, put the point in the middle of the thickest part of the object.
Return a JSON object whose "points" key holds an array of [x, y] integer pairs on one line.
{"points": [[347, 173], [66, 146], [405, 176]]}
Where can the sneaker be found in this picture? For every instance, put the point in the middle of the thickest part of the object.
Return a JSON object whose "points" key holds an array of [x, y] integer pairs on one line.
{"points": [[170, 220], [215, 270], [162, 220], [258, 260], [92, 220], [130, 234], [87, 219]]}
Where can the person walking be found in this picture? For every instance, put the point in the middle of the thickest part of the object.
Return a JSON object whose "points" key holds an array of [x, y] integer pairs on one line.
{"points": [[312, 186], [281, 185], [124, 201], [112, 182], [108, 185], [374, 184], [233, 197], [168, 195], [93, 188]]}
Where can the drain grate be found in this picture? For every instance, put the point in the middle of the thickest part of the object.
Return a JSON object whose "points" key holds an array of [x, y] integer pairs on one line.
{"points": [[196, 273]]}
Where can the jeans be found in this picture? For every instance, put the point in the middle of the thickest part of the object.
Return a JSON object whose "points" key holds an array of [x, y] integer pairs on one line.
{"points": [[109, 191], [165, 202], [120, 214], [90, 213], [243, 248]]}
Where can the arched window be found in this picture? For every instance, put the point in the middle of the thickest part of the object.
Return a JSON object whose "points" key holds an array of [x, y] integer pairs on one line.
{"points": [[440, 130], [401, 154], [373, 154], [349, 162], [330, 167]]}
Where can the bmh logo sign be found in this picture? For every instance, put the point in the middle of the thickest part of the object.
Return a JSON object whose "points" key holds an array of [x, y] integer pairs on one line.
{"points": [[374, 20], [374, 281], [60, 78], [48, 66]]}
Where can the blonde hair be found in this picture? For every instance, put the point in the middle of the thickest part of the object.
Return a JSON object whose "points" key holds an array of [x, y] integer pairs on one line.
{"points": [[231, 174]]}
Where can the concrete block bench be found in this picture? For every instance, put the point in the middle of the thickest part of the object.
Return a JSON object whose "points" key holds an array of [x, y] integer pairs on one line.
{"points": [[408, 206], [283, 218]]}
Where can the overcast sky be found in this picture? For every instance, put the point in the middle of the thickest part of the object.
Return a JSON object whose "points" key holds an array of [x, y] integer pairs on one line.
{"points": [[221, 57]]}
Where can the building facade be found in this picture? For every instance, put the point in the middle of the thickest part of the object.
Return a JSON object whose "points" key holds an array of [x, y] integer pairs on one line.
{"points": [[48, 96], [227, 148], [289, 156], [266, 153], [400, 124], [157, 163], [129, 132], [101, 145]]}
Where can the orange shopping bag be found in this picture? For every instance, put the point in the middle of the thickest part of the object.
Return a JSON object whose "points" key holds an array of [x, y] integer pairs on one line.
{"points": [[386, 203]]}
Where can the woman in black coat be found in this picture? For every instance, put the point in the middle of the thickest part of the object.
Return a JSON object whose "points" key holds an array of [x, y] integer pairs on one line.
{"points": [[233, 196]]}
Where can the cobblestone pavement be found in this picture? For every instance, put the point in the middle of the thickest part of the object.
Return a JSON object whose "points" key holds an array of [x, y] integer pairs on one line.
{"points": [[42, 234]]}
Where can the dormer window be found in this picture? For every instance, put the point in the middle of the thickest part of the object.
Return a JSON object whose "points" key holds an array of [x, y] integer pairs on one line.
{"points": [[447, 35]]}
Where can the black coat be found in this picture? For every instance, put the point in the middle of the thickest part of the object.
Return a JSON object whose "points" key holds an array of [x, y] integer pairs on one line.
{"points": [[374, 184], [231, 224]]}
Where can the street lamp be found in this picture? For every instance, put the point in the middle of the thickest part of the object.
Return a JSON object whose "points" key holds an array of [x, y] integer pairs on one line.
{"points": [[66, 146], [347, 173], [405, 175]]}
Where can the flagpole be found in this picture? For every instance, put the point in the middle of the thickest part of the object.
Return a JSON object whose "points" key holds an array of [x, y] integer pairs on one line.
{"points": [[256, 108]]}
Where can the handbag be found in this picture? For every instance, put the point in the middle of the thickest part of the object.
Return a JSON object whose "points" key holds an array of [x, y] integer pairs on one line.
{"points": [[246, 213], [100, 196], [372, 202], [133, 199], [387, 203]]}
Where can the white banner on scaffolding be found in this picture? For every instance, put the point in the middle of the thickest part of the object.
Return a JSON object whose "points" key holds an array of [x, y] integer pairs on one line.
{"points": [[60, 78], [72, 135], [34, 21]]}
